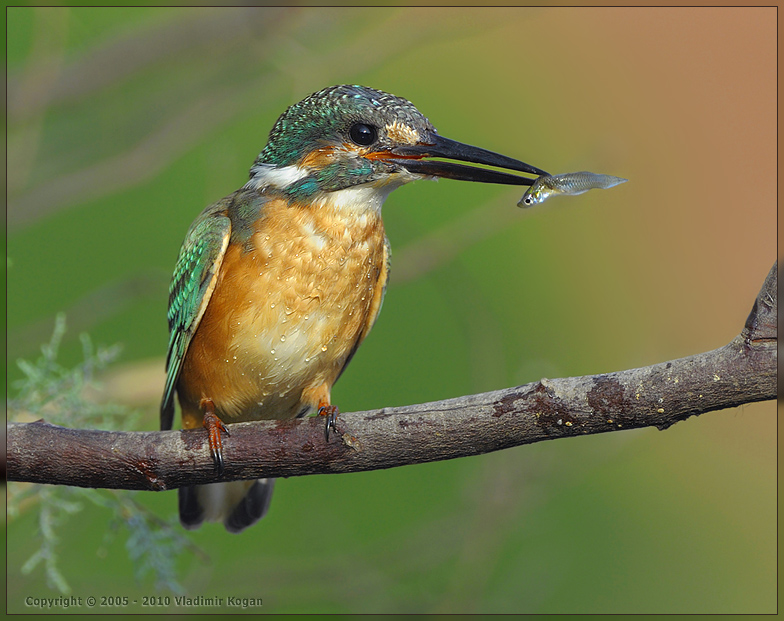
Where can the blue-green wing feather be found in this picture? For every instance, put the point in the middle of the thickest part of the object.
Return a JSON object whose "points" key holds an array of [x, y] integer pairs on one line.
{"points": [[192, 285]]}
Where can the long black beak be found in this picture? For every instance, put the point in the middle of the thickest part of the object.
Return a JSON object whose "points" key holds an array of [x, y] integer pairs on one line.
{"points": [[413, 159]]}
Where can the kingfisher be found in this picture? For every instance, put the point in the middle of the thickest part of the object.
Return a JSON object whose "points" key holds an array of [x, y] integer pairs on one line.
{"points": [[278, 284]]}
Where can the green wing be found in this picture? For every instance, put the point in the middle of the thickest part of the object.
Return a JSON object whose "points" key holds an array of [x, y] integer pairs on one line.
{"points": [[192, 285]]}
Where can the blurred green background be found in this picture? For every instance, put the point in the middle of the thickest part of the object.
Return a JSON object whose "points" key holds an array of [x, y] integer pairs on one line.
{"points": [[123, 123]]}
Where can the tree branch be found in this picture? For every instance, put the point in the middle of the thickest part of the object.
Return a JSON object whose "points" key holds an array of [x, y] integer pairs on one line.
{"points": [[744, 371]]}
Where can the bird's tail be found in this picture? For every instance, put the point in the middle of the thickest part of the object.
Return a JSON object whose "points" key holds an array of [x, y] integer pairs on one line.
{"points": [[237, 504]]}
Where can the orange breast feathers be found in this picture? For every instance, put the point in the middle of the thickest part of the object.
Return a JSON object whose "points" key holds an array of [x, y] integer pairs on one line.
{"points": [[286, 314]]}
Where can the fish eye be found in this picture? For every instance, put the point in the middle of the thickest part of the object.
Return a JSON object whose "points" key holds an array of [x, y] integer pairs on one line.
{"points": [[363, 134]]}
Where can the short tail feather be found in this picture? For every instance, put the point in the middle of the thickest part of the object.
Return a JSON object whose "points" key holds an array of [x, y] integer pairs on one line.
{"points": [[238, 504]]}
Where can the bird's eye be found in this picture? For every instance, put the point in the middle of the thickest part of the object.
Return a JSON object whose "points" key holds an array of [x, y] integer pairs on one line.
{"points": [[363, 134]]}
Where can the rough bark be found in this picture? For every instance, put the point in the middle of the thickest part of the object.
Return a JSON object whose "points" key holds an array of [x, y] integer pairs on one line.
{"points": [[743, 371]]}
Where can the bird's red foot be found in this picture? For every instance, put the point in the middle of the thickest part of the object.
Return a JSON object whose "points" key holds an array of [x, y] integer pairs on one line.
{"points": [[331, 412], [215, 427]]}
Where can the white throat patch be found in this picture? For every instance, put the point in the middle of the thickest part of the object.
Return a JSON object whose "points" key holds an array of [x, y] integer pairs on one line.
{"points": [[279, 177], [365, 197]]}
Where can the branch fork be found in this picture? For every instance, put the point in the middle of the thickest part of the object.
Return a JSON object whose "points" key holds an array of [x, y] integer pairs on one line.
{"points": [[743, 371]]}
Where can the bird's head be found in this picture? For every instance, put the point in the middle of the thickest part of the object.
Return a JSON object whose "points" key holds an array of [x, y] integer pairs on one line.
{"points": [[346, 137]]}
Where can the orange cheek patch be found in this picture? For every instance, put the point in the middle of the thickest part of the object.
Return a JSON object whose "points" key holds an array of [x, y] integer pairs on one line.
{"points": [[318, 158]]}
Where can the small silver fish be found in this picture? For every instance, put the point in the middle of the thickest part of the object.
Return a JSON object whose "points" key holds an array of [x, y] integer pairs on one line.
{"points": [[569, 184]]}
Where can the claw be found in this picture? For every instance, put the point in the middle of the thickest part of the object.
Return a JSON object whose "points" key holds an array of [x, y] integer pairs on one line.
{"points": [[215, 427], [331, 412]]}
